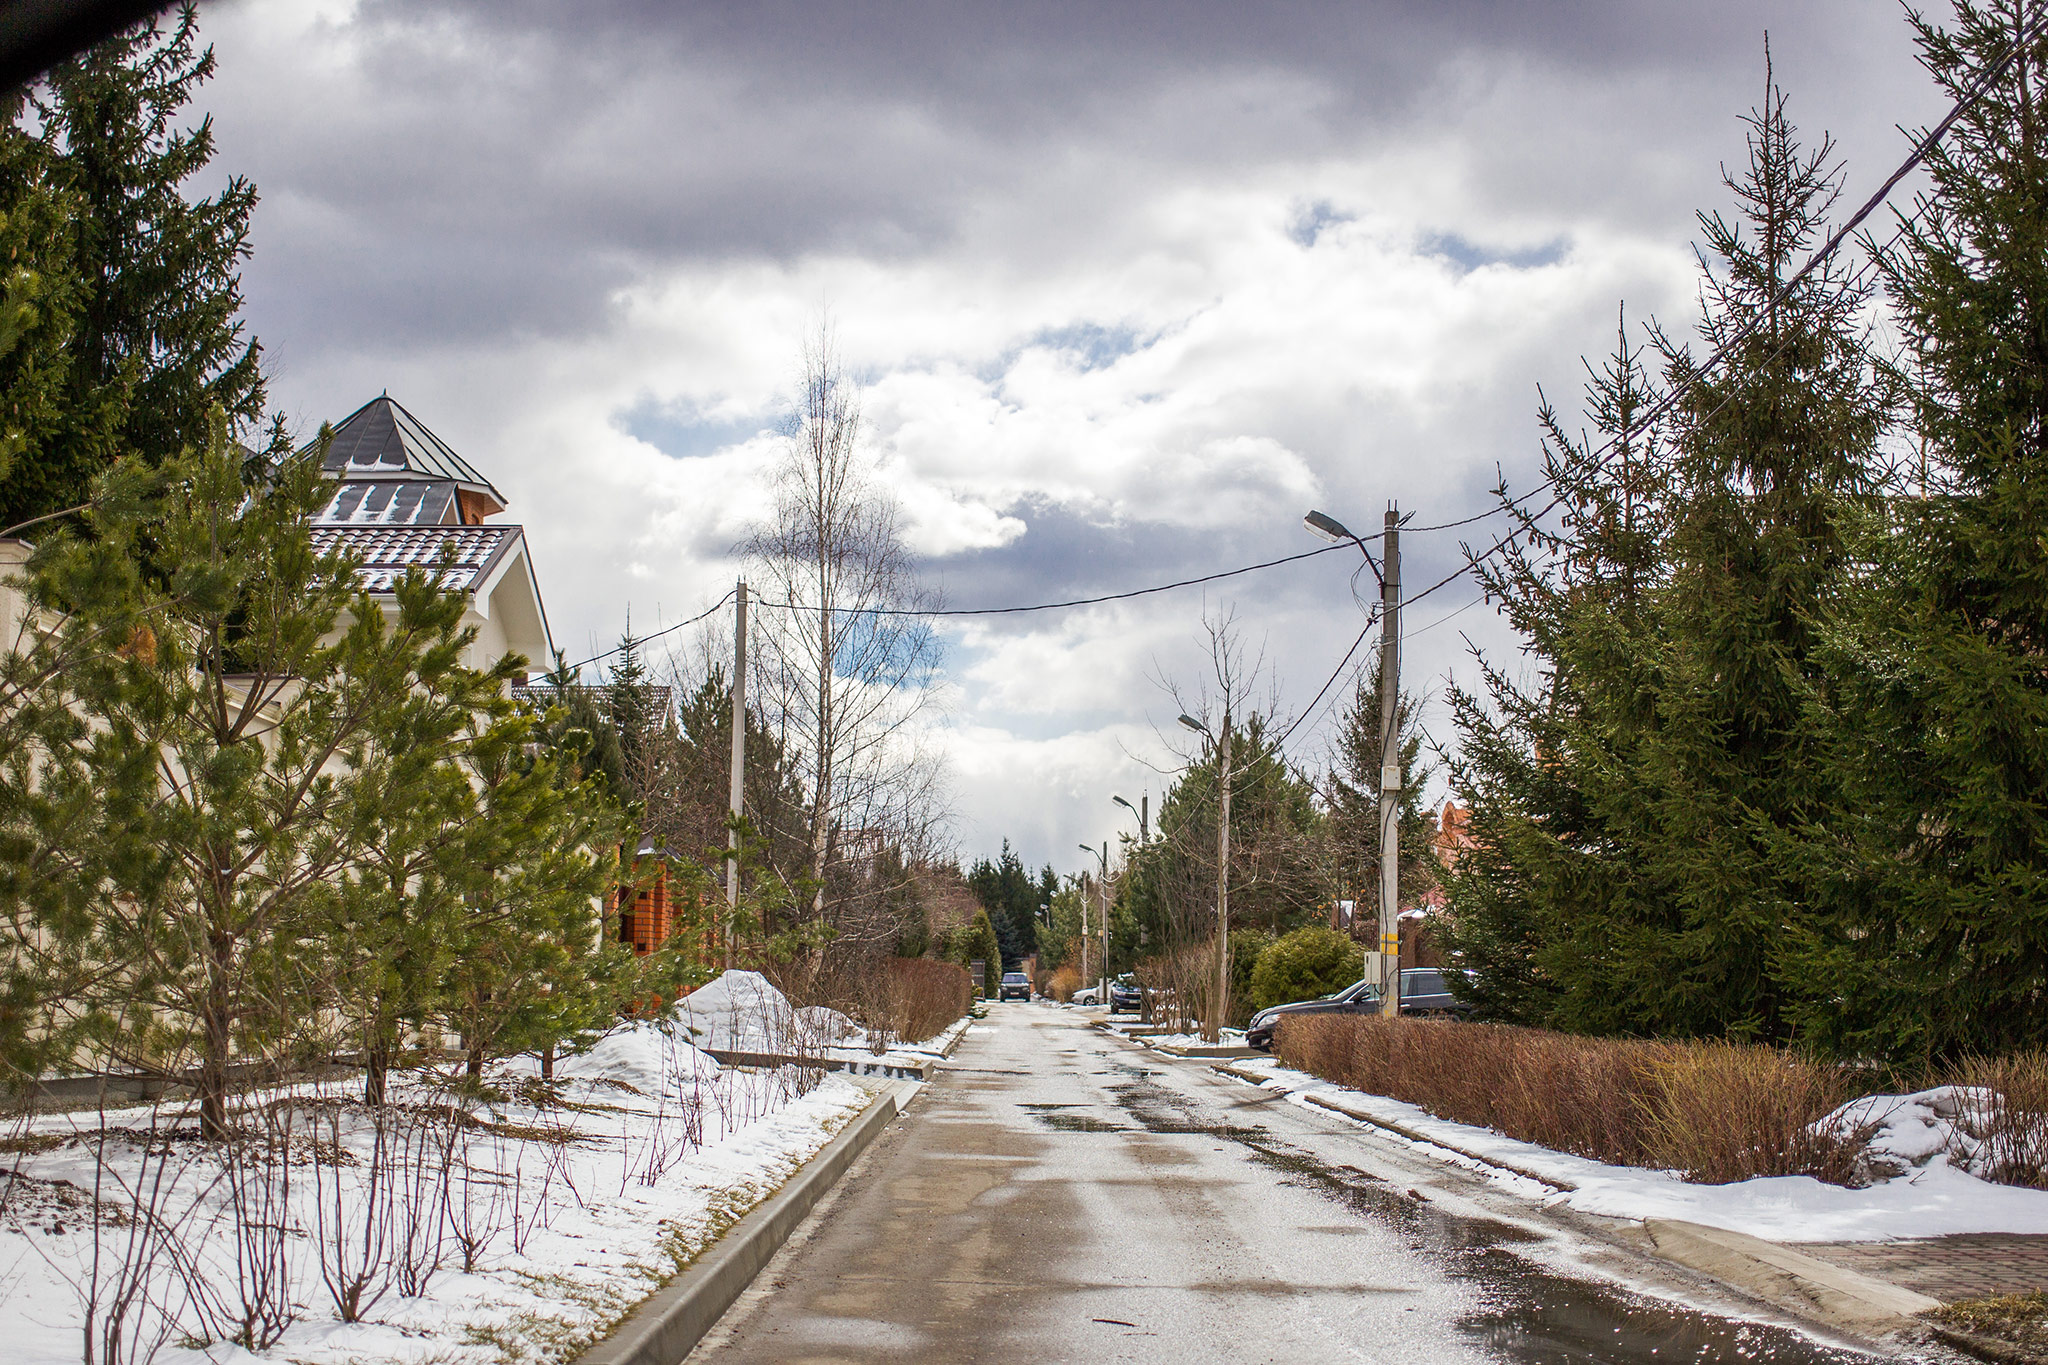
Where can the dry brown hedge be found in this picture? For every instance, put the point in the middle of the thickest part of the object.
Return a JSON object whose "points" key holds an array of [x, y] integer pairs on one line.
{"points": [[925, 996], [1713, 1111]]}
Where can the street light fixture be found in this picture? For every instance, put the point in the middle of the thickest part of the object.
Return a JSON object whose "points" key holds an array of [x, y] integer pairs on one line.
{"points": [[1336, 532], [1102, 921], [1212, 1027], [1144, 814]]}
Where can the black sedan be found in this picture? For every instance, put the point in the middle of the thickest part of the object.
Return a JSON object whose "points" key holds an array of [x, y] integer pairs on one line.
{"points": [[1423, 991]]}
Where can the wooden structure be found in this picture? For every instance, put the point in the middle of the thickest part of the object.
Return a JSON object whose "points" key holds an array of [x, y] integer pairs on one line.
{"points": [[646, 922]]}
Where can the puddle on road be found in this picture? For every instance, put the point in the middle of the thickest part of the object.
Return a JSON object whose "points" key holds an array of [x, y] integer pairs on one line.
{"points": [[1529, 1315]]}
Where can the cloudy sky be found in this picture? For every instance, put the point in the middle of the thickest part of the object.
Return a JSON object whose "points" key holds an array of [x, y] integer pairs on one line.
{"points": [[1128, 289]]}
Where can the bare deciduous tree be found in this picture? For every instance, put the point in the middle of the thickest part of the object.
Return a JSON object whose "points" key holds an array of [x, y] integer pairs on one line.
{"points": [[847, 657]]}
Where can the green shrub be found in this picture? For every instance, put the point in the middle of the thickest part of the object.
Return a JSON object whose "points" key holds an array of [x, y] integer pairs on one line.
{"points": [[1305, 964], [1247, 946]]}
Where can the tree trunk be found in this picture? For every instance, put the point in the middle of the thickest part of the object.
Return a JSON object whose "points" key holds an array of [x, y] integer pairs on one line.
{"points": [[216, 1038], [547, 1062], [376, 1068], [475, 1069]]}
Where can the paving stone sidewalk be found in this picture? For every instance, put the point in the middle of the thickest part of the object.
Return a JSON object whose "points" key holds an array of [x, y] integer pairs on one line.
{"points": [[1968, 1266]]}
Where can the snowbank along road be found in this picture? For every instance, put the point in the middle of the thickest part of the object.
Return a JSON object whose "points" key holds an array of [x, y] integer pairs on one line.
{"points": [[1060, 1195]]}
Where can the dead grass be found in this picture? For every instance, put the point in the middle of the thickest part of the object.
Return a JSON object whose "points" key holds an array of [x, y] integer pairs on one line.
{"points": [[1062, 984], [925, 997], [1713, 1111], [2010, 1122], [2021, 1319]]}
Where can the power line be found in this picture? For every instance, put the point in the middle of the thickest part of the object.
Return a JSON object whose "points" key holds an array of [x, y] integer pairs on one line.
{"points": [[1055, 606], [620, 648], [1928, 141], [1330, 681]]}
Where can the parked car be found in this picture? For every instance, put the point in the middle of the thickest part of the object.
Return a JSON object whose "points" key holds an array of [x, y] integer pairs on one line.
{"points": [[1360, 997], [1013, 986], [1125, 995], [1085, 996], [1423, 992]]}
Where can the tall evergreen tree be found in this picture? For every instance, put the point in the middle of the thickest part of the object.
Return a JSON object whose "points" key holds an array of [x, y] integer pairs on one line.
{"points": [[1550, 899], [145, 281], [1635, 810], [1938, 863]]}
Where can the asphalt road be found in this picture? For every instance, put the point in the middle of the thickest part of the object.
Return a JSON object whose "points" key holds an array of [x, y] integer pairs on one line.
{"points": [[1060, 1195]]}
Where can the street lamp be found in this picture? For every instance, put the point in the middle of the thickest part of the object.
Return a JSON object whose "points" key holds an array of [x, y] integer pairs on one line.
{"points": [[1102, 918], [1336, 532], [1329, 528], [1212, 1028], [1143, 813]]}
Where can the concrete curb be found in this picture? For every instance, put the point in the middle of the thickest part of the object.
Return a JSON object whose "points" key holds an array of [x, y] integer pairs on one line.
{"points": [[852, 1066], [667, 1326], [1805, 1286], [1400, 1130], [1791, 1279]]}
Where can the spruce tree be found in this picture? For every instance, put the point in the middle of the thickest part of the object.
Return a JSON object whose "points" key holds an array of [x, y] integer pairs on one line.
{"points": [[1549, 912], [1632, 812], [1938, 864], [1775, 452], [143, 280], [1354, 800]]}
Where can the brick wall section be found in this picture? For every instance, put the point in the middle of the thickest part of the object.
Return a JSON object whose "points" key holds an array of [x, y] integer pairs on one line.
{"points": [[646, 925]]}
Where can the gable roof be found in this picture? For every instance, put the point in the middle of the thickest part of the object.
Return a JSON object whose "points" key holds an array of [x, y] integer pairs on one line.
{"points": [[382, 441]]}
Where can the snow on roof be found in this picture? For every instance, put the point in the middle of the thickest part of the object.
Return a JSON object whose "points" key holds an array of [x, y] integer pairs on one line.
{"points": [[388, 551], [381, 440], [378, 503]]}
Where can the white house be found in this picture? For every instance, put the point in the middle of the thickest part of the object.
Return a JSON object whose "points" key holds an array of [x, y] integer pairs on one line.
{"points": [[401, 495]]}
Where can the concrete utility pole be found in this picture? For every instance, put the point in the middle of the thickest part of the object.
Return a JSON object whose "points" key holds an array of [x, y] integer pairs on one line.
{"points": [[739, 766], [1390, 768], [1086, 892], [1102, 910], [1105, 925], [1214, 1030]]}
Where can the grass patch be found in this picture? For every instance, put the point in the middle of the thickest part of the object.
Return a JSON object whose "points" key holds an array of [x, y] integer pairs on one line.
{"points": [[2021, 1319]]}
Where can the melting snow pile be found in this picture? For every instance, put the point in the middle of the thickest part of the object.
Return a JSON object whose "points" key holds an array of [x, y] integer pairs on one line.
{"points": [[654, 1056], [743, 1012]]}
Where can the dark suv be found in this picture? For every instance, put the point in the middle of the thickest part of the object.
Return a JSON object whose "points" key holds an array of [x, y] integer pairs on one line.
{"points": [[1013, 986], [1124, 995], [1423, 991]]}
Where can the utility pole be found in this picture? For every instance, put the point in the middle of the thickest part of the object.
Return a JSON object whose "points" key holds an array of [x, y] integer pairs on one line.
{"points": [[739, 768], [1144, 818], [1213, 1031], [1103, 986], [1390, 768], [1086, 890]]}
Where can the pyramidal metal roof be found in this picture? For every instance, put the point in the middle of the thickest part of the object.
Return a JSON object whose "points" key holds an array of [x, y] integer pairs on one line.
{"points": [[381, 440]]}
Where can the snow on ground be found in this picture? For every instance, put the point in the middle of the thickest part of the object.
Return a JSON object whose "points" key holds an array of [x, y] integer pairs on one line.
{"points": [[1232, 1037], [1930, 1196], [744, 1012], [583, 1197]]}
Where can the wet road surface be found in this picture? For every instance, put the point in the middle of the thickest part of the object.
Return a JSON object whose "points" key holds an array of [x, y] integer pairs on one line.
{"points": [[1059, 1195]]}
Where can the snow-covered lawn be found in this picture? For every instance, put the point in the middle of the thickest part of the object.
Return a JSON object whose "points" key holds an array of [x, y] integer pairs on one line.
{"points": [[1929, 1195], [570, 1202]]}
